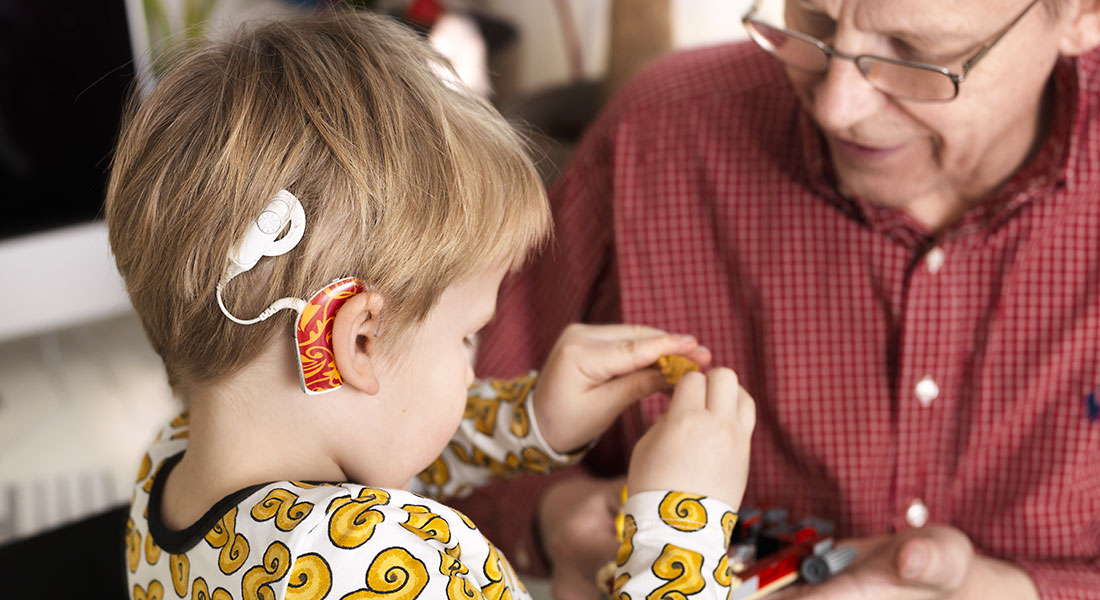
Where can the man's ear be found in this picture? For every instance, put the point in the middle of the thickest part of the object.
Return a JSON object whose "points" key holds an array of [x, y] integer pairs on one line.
{"points": [[354, 339], [1081, 27]]}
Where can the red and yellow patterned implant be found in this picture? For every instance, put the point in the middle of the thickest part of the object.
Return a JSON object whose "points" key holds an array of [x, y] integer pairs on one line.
{"points": [[314, 334]]}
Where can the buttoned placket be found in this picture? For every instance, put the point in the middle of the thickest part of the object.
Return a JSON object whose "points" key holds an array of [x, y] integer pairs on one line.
{"points": [[923, 373]]}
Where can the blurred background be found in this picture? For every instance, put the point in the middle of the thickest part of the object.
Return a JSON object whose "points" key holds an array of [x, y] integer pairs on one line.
{"points": [[81, 392]]}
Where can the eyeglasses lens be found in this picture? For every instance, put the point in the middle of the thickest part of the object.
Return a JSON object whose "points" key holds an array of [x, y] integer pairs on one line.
{"points": [[903, 81], [793, 51], [906, 81]]}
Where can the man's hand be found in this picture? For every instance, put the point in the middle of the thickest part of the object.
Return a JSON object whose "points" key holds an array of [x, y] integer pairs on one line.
{"points": [[595, 371], [577, 522], [933, 562]]}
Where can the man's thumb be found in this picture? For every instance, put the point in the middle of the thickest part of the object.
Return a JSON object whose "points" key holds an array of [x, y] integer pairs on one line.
{"points": [[937, 560]]}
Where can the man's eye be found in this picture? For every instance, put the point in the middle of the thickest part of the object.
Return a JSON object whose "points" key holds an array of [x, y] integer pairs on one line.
{"points": [[812, 23]]}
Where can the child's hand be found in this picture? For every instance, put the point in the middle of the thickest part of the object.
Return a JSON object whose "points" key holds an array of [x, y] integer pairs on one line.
{"points": [[595, 371], [701, 446]]}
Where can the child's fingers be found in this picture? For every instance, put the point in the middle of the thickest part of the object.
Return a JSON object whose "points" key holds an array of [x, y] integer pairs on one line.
{"points": [[746, 409], [722, 392], [613, 358], [690, 394], [612, 333], [700, 355], [632, 387]]}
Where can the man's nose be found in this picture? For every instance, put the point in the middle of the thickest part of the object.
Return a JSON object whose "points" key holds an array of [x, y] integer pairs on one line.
{"points": [[842, 97]]}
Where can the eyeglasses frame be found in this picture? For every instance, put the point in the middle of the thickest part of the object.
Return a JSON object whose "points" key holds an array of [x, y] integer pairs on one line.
{"points": [[830, 52]]}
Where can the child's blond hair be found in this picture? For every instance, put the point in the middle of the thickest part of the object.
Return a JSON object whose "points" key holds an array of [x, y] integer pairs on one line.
{"points": [[408, 183]]}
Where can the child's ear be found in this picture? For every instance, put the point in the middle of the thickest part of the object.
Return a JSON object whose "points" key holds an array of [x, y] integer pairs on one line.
{"points": [[354, 335], [1082, 32]]}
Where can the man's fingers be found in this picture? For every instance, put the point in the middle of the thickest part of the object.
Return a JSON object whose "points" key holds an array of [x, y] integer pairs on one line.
{"points": [[573, 585], [939, 558]]}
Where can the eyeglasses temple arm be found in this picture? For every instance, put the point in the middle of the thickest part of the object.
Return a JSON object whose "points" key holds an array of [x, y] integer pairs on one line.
{"points": [[969, 64]]}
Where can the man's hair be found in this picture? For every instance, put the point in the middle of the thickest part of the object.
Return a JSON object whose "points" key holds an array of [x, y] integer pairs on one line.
{"points": [[408, 183]]}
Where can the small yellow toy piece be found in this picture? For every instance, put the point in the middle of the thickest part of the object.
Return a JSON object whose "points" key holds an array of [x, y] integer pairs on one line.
{"points": [[674, 366]]}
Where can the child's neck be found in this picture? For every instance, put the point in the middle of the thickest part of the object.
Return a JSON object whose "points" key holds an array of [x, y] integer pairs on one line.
{"points": [[243, 434]]}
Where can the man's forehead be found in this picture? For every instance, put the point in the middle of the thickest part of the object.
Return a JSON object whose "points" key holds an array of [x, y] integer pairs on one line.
{"points": [[936, 19]]}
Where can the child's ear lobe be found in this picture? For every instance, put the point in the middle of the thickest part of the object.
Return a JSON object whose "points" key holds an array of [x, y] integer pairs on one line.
{"points": [[354, 335]]}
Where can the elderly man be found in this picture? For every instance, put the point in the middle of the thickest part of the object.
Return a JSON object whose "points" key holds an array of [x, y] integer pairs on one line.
{"points": [[885, 216]]}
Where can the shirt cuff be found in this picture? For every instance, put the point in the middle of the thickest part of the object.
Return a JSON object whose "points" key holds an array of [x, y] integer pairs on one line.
{"points": [[663, 528]]}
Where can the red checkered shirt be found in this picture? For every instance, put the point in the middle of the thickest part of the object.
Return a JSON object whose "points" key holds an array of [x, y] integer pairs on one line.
{"points": [[894, 371]]}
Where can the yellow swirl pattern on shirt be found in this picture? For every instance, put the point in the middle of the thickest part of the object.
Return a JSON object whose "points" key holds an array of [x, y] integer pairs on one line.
{"points": [[283, 506], [143, 470], [155, 591], [148, 485], [683, 512], [514, 392], [310, 579], [723, 574], [729, 521], [436, 475], [353, 519], [458, 587], [256, 582], [483, 411], [626, 548], [152, 550], [180, 567], [393, 575], [620, 581], [234, 547], [200, 591], [536, 461], [426, 524], [682, 569], [133, 546], [181, 420], [497, 588], [521, 421]]}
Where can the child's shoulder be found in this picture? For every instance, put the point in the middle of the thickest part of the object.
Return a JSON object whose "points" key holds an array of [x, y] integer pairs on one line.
{"points": [[313, 536]]}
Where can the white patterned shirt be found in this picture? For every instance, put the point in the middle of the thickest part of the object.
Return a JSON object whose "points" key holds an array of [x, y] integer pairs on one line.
{"points": [[295, 540]]}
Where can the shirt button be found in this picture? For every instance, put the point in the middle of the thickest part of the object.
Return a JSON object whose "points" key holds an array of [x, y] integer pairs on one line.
{"points": [[926, 391], [934, 259], [917, 513]]}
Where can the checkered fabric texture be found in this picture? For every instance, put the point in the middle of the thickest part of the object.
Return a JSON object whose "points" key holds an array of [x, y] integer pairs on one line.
{"points": [[900, 376]]}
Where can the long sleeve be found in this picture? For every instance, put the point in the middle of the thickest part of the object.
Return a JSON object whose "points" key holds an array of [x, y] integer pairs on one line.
{"points": [[674, 545], [498, 438]]}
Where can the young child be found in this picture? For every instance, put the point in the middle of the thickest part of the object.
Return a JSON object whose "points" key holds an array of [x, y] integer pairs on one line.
{"points": [[329, 154]]}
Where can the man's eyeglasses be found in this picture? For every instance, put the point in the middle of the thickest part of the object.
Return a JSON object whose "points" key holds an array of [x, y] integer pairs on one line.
{"points": [[898, 78]]}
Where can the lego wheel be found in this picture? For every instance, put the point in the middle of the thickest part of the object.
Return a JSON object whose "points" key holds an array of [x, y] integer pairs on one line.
{"points": [[820, 567], [814, 569]]}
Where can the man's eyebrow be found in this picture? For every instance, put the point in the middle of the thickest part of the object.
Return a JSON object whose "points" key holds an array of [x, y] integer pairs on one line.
{"points": [[934, 37]]}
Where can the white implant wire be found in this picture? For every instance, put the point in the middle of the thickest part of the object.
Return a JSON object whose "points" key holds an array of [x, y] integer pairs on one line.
{"points": [[281, 304]]}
